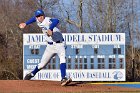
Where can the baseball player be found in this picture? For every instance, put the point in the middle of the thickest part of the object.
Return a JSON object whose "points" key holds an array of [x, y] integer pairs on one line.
{"points": [[56, 44]]}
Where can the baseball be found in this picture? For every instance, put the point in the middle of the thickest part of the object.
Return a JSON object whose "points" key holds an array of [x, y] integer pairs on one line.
{"points": [[22, 25]]}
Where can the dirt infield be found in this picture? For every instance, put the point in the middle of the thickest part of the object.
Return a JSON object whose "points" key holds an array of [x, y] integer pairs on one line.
{"points": [[18, 86]]}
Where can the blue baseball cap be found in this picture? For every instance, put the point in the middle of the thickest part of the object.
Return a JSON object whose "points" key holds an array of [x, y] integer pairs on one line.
{"points": [[39, 12]]}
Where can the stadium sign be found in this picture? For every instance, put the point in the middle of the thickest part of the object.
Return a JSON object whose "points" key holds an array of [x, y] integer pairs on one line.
{"points": [[90, 57]]}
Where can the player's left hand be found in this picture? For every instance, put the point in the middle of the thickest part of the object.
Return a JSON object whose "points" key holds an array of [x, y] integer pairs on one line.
{"points": [[49, 32]]}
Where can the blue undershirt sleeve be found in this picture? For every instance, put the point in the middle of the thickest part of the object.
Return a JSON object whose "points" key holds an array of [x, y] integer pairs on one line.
{"points": [[31, 20], [53, 24]]}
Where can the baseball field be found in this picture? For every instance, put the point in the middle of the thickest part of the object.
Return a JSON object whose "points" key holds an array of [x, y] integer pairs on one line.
{"points": [[32, 86]]}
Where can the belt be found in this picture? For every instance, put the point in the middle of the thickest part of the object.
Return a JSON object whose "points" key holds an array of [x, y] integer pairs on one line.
{"points": [[51, 43]]}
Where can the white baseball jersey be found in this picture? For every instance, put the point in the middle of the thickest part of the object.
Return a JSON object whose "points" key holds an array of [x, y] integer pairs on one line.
{"points": [[57, 36]]}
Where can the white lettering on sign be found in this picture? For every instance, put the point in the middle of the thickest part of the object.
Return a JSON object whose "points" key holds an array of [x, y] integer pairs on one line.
{"points": [[30, 66], [33, 60], [34, 46], [121, 56], [76, 46], [100, 56], [112, 56], [95, 46], [116, 46]]}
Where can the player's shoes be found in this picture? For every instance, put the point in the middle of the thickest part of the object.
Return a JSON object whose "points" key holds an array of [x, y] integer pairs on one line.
{"points": [[28, 76], [65, 81]]}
